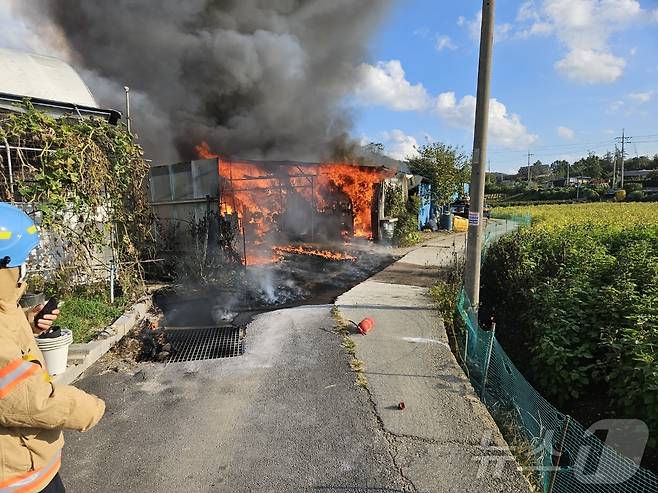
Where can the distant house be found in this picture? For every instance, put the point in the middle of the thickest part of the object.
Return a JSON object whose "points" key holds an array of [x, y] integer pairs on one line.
{"points": [[51, 84], [502, 178], [637, 175], [574, 181], [600, 182]]}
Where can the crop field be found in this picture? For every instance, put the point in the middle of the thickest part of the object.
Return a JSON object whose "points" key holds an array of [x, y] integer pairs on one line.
{"points": [[575, 298], [607, 214]]}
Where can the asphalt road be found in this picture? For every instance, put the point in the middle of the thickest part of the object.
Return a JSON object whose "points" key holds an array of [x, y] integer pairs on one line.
{"points": [[285, 417]]}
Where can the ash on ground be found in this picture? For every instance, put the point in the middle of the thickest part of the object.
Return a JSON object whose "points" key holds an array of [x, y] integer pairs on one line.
{"points": [[145, 342], [294, 280]]}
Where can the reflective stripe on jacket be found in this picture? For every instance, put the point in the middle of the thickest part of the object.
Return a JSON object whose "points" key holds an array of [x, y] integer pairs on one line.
{"points": [[33, 480], [14, 373], [33, 411]]}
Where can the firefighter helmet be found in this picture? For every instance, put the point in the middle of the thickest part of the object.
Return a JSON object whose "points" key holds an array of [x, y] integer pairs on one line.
{"points": [[18, 236]]}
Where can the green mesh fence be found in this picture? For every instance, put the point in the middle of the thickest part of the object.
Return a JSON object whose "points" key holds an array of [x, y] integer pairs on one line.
{"points": [[569, 458]]}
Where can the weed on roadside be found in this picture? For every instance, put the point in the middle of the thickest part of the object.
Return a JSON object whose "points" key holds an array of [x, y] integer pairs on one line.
{"points": [[342, 328]]}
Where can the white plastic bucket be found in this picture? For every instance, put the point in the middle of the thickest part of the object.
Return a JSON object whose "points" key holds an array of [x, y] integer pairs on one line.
{"points": [[56, 351]]}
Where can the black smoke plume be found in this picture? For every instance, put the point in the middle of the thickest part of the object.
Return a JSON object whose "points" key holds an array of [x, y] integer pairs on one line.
{"points": [[260, 79]]}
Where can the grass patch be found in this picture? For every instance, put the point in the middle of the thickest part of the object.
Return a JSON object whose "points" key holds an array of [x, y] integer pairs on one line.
{"points": [[350, 345], [87, 315], [356, 365], [523, 452], [361, 381]]}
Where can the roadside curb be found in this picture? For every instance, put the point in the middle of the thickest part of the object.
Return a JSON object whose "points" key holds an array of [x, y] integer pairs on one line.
{"points": [[82, 356]]}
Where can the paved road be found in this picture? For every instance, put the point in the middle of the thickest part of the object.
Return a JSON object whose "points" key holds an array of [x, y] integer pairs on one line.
{"points": [[287, 417]]}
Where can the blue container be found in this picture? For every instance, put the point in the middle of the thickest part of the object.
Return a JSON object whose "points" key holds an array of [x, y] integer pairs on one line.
{"points": [[446, 221]]}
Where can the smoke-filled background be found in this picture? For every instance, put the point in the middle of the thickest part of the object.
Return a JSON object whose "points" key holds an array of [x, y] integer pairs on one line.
{"points": [[253, 78]]}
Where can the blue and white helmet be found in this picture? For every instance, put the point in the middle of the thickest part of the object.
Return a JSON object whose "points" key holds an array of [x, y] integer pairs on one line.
{"points": [[18, 236]]}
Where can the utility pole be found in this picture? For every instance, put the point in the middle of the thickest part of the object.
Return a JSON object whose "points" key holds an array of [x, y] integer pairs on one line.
{"points": [[614, 168], [529, 156], [475, 233], [568, 183], [624, 140]]}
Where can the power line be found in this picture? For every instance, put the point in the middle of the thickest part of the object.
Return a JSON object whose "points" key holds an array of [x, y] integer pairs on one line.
{"points": [[556, 146]]}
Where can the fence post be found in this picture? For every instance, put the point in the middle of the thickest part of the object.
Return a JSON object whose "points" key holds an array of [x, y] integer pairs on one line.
{"points": [[112, 282], [462, 301], [556, 468], [466, 348], [488, 360], [10, 169]]}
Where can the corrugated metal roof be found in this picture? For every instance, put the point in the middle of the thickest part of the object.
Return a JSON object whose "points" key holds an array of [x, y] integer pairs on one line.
{"points": [[43, 77]]}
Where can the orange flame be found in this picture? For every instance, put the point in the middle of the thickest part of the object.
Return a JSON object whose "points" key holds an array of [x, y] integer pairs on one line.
{"points": [[258, 193], [304, 250]]}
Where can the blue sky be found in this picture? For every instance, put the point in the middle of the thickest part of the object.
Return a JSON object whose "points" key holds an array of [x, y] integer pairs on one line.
{"points": [[568, 76]]}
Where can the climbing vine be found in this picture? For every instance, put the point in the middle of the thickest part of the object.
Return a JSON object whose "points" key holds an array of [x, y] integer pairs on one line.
{"points": [[85, 178]]}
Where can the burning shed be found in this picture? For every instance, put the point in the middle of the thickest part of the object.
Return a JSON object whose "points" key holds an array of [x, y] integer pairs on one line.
{"points": [[272, 205]]}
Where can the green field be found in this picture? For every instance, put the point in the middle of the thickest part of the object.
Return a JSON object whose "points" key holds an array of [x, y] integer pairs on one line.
{"points": [[575, 297], [608, 214]]}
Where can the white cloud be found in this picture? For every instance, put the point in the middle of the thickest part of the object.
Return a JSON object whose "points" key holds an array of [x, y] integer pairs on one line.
{"points": [[540, 29], [399, 145], [641, 97], [504, 128], [474, 26], [591, 66], [615, 106], [385, 84], [654, 15], [584, 27], [444, 42], [566, 133], [527, 12], [422, 32]]}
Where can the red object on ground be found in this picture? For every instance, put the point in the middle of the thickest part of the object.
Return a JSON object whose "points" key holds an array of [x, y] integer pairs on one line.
{"points": [[401, 406], [366, 325]]}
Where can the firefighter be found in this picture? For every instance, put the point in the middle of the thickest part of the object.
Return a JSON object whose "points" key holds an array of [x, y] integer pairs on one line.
{"points": [[33, 411]]}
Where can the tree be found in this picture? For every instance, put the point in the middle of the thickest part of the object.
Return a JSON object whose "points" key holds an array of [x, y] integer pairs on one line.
{"points": [[559, 168], [589, 166], [445, 166]]}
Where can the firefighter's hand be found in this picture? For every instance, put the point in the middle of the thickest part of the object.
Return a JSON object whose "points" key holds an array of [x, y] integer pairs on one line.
{"points": [[45, 323]]}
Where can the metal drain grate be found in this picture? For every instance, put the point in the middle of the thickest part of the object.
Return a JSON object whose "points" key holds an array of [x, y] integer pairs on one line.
{"points": [[204, 343]]}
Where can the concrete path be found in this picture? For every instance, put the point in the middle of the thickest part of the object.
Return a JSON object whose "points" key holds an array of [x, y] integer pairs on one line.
{"points": [[436, 442], [285, 417]]}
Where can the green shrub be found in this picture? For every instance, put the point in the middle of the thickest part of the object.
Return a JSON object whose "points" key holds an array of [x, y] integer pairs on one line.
{"points": [[406, 229], [632, 187], [635, 196], [576, 303]]}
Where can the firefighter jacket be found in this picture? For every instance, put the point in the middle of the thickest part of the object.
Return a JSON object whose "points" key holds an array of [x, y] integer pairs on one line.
{"points": [[33, 411]]}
